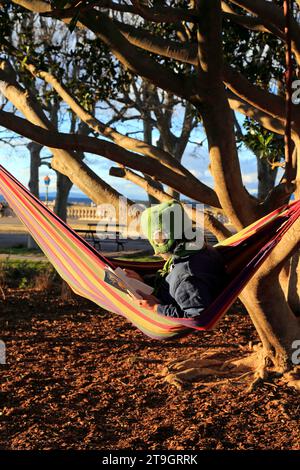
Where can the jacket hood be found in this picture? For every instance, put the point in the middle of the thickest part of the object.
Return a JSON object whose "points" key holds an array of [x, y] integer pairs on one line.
{"points": [[166, 226]]}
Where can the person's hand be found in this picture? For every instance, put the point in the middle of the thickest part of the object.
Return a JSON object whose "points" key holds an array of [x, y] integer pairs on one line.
{"points": [[133, 274], [148, 301]]}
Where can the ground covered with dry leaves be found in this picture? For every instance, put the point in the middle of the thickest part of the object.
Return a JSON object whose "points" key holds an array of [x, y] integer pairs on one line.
{"points": [[81, 378]]}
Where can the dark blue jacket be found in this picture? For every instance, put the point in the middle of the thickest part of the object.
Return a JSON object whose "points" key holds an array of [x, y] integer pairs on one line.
{"points": [[192, 283]]}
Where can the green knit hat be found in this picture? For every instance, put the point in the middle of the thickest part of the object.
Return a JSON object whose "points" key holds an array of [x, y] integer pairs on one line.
{"points": [[164, 225]]}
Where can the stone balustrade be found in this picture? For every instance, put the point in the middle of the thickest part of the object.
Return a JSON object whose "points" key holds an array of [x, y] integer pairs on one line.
{"points": [[82, 212]]}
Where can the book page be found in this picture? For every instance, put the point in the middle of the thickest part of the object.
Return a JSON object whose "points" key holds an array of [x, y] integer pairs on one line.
{"points": [[133, 285]]}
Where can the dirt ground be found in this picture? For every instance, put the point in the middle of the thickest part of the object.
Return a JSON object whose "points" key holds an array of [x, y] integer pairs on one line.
{"points": [[81, 378]]}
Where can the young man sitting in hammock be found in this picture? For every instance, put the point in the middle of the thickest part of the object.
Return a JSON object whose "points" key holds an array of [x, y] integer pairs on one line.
{"points": [[192, 275]]}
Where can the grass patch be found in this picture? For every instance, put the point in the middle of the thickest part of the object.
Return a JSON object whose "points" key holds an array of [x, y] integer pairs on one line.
{"points": [[21, 250], [23, 273], [24, 264]]}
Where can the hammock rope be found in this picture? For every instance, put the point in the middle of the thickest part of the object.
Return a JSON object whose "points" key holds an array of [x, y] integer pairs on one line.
{"points": [[91, 275]]}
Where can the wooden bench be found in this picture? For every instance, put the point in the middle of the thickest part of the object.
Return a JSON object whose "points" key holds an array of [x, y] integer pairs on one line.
{"points": [[110, 236], [92, 237]]}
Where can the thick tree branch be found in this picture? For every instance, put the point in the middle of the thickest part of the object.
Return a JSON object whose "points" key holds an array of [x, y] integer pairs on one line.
{"points": [[36, 6], [279, 196], [268, 122], [289, 246], [99, 127], [68, 163], [130, 57], [136, 60], [271, 13], [155, 14], [144, 183], [254, 95], [129, 143], [112, 36], [199, 192], [254, 24], [264, 101], [187, 53]]}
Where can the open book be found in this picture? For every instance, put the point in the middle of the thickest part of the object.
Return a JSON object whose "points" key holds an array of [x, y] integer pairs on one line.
{"points": [[133, 285]]}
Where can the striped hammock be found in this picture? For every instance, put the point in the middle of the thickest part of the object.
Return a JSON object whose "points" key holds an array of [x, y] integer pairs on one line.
{"points": [[91, 275]]}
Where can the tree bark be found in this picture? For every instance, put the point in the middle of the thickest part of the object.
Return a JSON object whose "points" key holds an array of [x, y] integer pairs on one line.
{"points": [[63, 187], [35, 161], [266, 177], [147, 131], [274, 320], [293, 293]]}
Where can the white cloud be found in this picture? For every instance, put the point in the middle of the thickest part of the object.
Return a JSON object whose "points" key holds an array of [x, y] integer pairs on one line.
{"points": [[249, 178], [196, 173]]}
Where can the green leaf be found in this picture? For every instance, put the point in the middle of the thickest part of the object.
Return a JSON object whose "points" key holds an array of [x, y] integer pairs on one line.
{"points": [[269, 139]]}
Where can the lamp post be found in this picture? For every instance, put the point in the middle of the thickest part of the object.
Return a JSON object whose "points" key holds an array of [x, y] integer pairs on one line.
{"points": [[47, 181]]}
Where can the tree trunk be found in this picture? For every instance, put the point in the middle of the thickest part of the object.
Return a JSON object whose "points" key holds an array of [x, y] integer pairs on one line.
{"points": [[293, 286], [148, 139], [35, 161], [218, 123], [274, 320], [266, 177], [63, 186], [290, 283], [290, 274], [263, 298], [148, 128]]}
